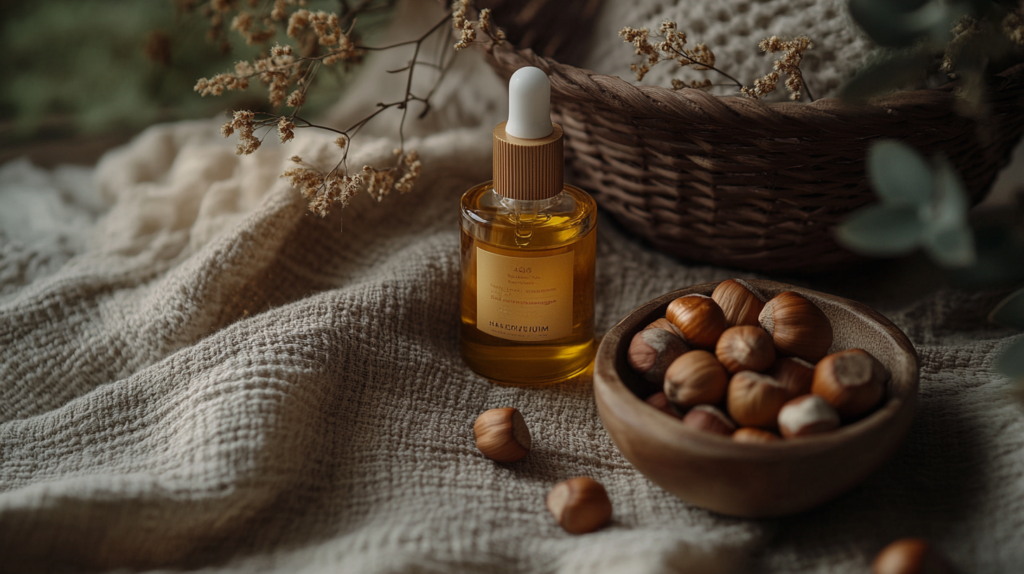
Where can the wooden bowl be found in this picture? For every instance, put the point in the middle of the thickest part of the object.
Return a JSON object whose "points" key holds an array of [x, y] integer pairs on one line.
{"points": [[755, 480]]}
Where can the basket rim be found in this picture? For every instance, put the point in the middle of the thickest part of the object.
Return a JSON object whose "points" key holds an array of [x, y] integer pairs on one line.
{"points": [[570, 84]]}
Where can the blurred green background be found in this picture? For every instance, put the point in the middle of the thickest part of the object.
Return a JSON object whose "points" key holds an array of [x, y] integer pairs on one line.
{"points": [[80, 76]]}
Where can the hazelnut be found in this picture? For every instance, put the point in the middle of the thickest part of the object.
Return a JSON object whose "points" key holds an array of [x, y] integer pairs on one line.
{"points": [[745, 348], [910, 556], [695, 378], [851, 381], [740, 302], [797, 326], [502, 435], [793, 373], [698, 318], [660, 402], [807, 415], [708, 418], [653, 350], [579, 505], [754, 400], [754, 435]]}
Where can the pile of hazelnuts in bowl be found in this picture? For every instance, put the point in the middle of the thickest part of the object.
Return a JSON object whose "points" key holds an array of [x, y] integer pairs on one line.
{"points": [[757, 370]]}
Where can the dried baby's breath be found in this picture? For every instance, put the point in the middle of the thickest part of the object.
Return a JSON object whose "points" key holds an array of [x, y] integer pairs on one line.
{"points": [[467, 28], [789, 64], [324, 38], [670, 44]]}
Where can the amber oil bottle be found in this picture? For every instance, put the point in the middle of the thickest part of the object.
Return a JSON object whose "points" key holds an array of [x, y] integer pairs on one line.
{"points": [[527, 253]]}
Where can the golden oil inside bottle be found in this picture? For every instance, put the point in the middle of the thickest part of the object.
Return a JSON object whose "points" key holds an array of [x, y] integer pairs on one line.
{"points": [[532, 320]]}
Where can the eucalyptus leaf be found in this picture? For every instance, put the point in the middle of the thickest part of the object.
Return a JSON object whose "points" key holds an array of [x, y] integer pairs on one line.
{"points": [[952, 247], [1010, 311], [949, 204], [1011, 361], [882, 230], [892, 72], [899, 174]]}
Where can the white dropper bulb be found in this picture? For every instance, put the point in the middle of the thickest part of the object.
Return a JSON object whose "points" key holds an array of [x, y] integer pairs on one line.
{"points": [[529, 104]]}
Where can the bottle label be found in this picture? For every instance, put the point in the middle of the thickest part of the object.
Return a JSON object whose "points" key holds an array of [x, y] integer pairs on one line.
{"points": [[524, 298]]}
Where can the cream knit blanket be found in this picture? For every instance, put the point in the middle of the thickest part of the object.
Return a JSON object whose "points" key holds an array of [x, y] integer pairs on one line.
{"points": [[197, 373]]}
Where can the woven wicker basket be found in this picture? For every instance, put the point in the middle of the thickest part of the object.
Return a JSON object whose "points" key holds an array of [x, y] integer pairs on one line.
{"points": [[735, 182]]}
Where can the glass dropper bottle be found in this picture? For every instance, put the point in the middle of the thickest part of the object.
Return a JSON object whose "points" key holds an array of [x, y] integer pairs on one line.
{"points": [[527, 252]]}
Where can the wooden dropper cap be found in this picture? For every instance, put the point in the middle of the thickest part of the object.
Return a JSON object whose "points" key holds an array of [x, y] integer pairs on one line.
{"points": [[528, 157]]}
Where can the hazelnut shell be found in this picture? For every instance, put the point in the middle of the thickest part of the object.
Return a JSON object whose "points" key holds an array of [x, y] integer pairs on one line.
{"points": [[579, 505], [695, 378], [753, 435], [502, 435], [793, 373], [745, 348], [709, 419], [698, 318], [807, 415], [652, 350], [910, 556], [852, 381], [740, 302], [754, 400], [797, 326]]}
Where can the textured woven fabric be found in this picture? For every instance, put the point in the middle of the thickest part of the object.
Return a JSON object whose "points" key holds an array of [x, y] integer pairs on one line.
{"points": [[209, 377], [732, 29]]}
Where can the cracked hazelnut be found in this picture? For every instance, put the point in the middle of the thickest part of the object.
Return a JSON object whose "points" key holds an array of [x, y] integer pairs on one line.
{"points": [[708, 418], [502, 435], [695, 378], [653, 350], [579, 505], [797, 326], [745, 348], [698, 318], [740, 302], [852, 381], [910, 556], [754, 400], [754, 435], [807, 415]]}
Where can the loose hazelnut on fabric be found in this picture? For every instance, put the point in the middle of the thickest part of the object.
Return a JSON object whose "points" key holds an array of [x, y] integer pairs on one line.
{"points": [[910, 556], [698, 318], [695, 378], [709, 419], [745, 348], [852, 381], [502, 435], [754, 399], [740, 302], [807, 415], [579, 505], [797, 326], [653, 350], [793, 373], [753, 435]]}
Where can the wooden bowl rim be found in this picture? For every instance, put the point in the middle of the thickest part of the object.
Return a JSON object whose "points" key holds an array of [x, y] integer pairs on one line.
{"points": [[669, 428]]}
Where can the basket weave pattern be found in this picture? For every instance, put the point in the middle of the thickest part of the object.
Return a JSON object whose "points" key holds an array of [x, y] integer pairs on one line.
{"points": [[736, 182]]}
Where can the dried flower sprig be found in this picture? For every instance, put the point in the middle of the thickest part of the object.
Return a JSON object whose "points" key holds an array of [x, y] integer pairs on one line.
{"points": [[670, 45], [789, 64], [326, 39]]}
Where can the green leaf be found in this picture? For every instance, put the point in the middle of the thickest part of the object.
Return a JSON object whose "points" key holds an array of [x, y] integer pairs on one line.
{"points": [[1010, 311], [882, 230], [899, 174], [890, 73], [952, 247], [1011, 361]]}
